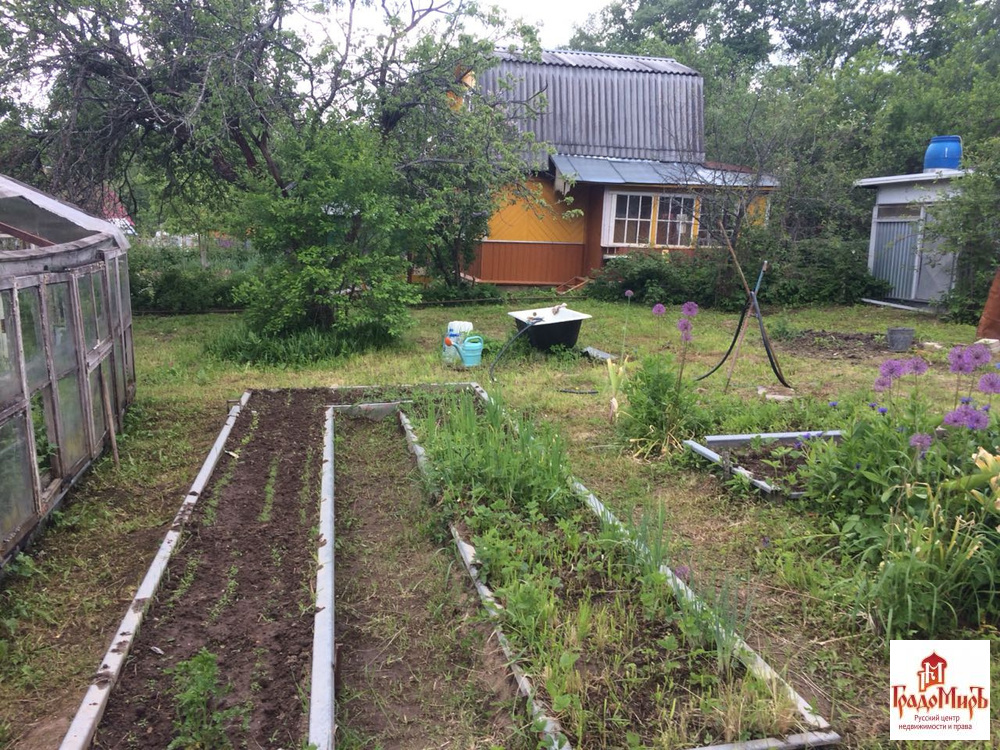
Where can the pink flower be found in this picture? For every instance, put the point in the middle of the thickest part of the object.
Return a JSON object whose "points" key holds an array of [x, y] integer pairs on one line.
{"points": [[689, 309], [977, 355], [882, 383], [629, 293], [892, 369]]}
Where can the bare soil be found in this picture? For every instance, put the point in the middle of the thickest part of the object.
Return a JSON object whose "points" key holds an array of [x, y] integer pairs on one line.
{"points": [[835, 344], [416, 667], [239, 587]]}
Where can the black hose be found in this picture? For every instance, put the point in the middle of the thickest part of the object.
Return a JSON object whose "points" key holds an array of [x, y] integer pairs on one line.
{"points": [[509, 342], [732, 344], [771, 358]]}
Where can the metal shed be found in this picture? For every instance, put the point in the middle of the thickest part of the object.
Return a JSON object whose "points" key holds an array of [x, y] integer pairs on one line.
{"points": [[899, 250], [66, 359]]}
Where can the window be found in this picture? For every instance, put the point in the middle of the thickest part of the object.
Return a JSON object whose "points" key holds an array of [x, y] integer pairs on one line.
{"points": [[649, 220], [675, 221], [899, 211], [714, 208], [633, 219]]}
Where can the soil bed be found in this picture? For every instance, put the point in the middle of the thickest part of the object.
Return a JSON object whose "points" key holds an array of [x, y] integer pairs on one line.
{"points": [[826, 344], [416, 669], [238, 587], [773, 463]]}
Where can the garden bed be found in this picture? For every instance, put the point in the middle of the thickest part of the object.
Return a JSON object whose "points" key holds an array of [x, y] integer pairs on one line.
{"points": [[767, 460], [626, 655], [228, 655]]}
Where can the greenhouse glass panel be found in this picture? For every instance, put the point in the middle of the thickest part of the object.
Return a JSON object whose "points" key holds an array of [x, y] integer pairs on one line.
{"points": [[85, 286], [10, 383], [61, 328], [17, 503], [30, 306], [113, 286], [97, 402], [119, 375], [99, 306], [129, 357], [126, 289], [73, 434]]}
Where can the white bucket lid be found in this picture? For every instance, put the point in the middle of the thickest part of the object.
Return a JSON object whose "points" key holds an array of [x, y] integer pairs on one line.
{"points": [[459, 326]]}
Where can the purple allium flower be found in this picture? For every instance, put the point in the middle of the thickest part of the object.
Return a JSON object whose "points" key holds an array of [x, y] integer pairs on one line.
{"points": [[977, 420], [978, 355], [659, 310], [959, 362], [917, 365], [892, 369], [684, 325], [921, 440], [990, 382], [882, 383], [955, 418], [629, 293], [683, 572], [690, 309], [882, 410], [833, 404]]}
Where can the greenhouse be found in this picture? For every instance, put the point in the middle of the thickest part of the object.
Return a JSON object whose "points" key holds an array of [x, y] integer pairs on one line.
{"points": [[66, 369]]}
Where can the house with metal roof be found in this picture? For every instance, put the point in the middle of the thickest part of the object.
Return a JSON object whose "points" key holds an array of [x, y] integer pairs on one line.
{"points": [[621, 167]]}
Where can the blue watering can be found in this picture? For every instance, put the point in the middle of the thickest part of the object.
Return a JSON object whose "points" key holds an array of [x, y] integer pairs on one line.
{"points": [[470, 350]]}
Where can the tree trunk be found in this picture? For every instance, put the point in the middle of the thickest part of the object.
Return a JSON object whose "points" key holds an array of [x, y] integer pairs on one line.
{"points": [[989, 323]]}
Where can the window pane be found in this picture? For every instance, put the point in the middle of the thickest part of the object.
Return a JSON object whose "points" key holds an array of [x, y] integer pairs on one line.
{"points": [[899, 211], [86, 288], [102, 310], [31, 336], [643, 237], [621, 206], [619, 231], [126, 290], [10, 383], [646, 207], [97, 403], [73, 434], [17, 502], [113, 294], [119, 375], [61, 328], [633, 206]]}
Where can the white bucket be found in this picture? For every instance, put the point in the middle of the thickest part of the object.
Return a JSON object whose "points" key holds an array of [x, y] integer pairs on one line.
{"points": [[457, 331]]}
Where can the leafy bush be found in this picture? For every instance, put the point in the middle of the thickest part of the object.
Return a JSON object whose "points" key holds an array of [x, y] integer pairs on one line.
{"points": [[439, 291], [823, 270]]}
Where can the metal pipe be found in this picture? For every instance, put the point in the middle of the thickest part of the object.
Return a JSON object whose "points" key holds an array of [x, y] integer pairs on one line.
{"points": [[322, 697], [88, 716]]}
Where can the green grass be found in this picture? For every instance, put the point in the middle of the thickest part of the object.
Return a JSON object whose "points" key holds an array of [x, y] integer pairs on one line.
{"points": [[56, 619]]}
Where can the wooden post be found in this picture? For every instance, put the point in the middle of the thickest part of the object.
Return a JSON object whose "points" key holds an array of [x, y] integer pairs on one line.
{"points": [[109, 419]]}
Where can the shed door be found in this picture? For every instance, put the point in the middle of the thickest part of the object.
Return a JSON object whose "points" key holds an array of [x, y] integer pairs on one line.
{"points": [[896, 246]]}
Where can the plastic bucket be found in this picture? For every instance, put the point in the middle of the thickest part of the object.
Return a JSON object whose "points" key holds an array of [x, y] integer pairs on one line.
{"points": [[471, 351], [900, 339]]}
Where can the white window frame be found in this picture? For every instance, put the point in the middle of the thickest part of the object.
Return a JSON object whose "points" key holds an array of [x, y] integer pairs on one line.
{"points": [[610, 210]]}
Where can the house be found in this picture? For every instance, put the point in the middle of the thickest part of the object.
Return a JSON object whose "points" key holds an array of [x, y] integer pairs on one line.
{"points": [[899, 250], [624, 170]]}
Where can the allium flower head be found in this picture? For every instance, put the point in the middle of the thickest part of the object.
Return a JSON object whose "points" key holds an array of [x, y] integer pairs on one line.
{"points": [[629, 293], [921, 440], [977, 420], [684, 326], [882, 383], [917, 365], [689, 309], [683, 572], [959, 362], [978, 355], [659, 310], [990, 382], [892, 369]]}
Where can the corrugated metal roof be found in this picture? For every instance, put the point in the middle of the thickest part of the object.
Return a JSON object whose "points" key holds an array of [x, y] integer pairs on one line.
{"points": [[603, 60], [625, 172], [613, 106]]}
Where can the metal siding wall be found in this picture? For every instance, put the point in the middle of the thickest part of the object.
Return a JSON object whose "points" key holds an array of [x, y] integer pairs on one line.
{"points": [[610, 113], [528, 263], [896, 255]]}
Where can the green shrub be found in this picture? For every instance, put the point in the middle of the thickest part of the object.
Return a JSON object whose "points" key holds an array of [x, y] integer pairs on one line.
{"points": [[824, 270], [439, 291]]}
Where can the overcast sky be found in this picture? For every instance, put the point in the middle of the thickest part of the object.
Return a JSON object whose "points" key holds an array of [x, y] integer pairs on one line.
{"points": [[556, 18]]}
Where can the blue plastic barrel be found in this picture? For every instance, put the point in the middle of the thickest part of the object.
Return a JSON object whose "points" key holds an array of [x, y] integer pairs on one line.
{"points": [[944, 152]]}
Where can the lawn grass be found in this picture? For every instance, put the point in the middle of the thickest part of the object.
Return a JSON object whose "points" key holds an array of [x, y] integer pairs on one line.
{"points": [[58, 611]]}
